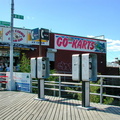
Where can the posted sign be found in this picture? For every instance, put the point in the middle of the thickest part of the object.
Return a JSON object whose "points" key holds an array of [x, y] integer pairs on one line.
{"points": [[22, 81], [74, 43]]}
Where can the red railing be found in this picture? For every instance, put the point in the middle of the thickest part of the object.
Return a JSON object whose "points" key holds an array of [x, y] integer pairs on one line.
{"points": [[3, 78]]}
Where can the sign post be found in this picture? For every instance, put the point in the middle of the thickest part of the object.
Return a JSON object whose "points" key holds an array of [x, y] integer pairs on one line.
{"points": [[11, 44], [11, 48], [44, 35]]}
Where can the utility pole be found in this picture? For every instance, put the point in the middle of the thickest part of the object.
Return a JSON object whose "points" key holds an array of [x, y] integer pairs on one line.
{"points": [[11, 47]]}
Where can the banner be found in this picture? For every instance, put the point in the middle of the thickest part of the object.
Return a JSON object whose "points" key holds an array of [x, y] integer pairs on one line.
{"points": [[74, 43]]}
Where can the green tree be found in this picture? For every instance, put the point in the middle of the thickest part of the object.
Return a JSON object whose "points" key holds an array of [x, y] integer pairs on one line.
{"points": [[24, 63]]}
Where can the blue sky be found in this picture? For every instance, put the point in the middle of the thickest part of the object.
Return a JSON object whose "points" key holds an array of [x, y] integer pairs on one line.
{"points": [[74, 17]]}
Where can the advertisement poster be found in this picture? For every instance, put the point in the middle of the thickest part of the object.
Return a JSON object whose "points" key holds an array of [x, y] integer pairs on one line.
{"points": [[19, 35], [34, 38], [74, 43], [22, 36], [21, 80]]}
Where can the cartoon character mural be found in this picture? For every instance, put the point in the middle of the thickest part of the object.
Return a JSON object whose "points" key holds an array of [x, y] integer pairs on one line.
{"points": [[100, 47]]}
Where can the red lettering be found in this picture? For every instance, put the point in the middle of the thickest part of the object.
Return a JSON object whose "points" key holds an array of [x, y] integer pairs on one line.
{"points": [[65, 42], [88, 46], [79, 45], [8, 32], [74, 44], [59, 41], [20, 32], [20, 39], [15, 40], [92, 45], [84, 44]]}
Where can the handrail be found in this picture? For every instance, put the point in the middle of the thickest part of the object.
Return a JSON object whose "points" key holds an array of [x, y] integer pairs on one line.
{"points": [[108, 76], [67, 75], [74, 84]]}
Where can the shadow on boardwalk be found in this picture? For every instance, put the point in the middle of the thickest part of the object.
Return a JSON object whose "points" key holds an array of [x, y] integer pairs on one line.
{"points": [[107, 108]]}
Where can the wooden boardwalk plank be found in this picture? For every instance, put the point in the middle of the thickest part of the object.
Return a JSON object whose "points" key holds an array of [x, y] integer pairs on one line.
{"points": [[61, 111], [55, 107], [47, 113], [38, 109], [58, 110], [106, 111], [16, 108], [77, 111], [23, 106], [43, 110], [9, 106]]}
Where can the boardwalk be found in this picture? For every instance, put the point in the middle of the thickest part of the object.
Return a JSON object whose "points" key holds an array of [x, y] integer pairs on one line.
{"points": [[23, 106]]}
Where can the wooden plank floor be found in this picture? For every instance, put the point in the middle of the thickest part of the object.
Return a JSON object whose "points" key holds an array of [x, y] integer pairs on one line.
{"points": [[23, 106]]}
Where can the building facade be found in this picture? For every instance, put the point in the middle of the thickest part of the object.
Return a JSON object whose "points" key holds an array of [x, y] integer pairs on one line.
{"points": [[62, 47], [59, 49]]}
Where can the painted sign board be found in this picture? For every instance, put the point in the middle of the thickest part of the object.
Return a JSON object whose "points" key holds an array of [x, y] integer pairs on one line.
{"points": [[22, 81], [44, 36], [22, 36], [75, 43], [35, 35]]}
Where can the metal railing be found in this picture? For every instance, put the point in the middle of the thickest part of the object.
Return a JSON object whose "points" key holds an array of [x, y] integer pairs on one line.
{"points": [[61, 84]]}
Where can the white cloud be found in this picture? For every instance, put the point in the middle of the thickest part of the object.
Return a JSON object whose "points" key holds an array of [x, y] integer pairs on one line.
{"points": [[113, 45], [97, 37], [30, 18]]}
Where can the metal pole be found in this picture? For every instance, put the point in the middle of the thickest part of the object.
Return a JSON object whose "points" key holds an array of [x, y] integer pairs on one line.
{"points": [[40, 81], [11, 45], [85, 94], [40, 46], [101, 90], [59, 86]]}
